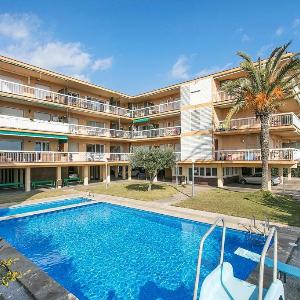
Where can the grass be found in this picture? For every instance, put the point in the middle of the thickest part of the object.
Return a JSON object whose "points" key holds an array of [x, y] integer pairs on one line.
{"points": [[134, 190], [19, 197], [282, 209]]}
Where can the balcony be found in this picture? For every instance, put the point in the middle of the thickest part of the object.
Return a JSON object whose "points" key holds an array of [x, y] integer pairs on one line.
{"points": [[53, 97], [222, 97], [98, 106], [24, 157], [286, 154], [7, 157], [157, 132], [156, 109], [277, 120], [66, 128]]}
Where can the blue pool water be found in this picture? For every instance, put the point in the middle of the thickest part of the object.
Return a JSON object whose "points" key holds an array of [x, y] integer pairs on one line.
{"points": [[104, 251], [10, 211]]}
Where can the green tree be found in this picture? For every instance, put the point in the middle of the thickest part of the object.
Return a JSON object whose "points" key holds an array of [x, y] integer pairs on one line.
{"points": [[152, 160], [265, 85]]}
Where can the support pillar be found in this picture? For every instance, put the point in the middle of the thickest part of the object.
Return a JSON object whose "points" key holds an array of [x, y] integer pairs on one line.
{"points": [[116, 171], [16, 177], [129, 173], [27, 179], [269, 179], [58, 177], [289, 175], [252, 171], [280, 174], [85, 175], [220, 176], [123, 172], [107, 173]]}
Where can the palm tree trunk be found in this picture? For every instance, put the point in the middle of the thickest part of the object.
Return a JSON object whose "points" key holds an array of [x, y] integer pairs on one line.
{"points": [[264, 145]]}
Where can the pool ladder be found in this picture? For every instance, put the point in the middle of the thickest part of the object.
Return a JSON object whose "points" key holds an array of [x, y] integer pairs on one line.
{"points": [[275, 291], [253, 228]]}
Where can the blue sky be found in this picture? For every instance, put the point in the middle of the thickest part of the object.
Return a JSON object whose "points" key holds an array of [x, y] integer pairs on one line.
{"points": [[138, 45]]}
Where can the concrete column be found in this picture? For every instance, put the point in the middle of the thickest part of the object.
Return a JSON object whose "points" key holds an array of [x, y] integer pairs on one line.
{"points": [[58, 177], [220, 176], [269, 179], [240, 170], [280, 174], [123, 172], [22, 175], [116, 171], [85, 175], [27, 179], [252, 171], [129, 173], [107, 173], [289, 175], [16, 177]]}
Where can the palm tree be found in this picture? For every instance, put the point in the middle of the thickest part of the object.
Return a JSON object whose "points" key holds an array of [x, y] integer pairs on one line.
{"points": [[266, 84]]}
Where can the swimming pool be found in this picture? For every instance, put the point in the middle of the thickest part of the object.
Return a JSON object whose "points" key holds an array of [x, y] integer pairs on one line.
{"points": [[104, 251], [21, 209]]}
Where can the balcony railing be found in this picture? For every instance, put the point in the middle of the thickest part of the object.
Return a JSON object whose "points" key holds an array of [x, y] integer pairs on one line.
{"points": [[157, 132], [49, 96], [276, 120], [255, 154], [33, 124], [222, 96], [156, 109], [7, 156]]}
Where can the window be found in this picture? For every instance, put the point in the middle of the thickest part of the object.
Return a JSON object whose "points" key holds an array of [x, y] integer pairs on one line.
{"points": [[12, 145], [96, 124], [196, 171], [10, 111], [73, 121], [73, 147], [42, 146], [95, 148], [213, 171], [202, 171], [42, 116], [208, 172]]}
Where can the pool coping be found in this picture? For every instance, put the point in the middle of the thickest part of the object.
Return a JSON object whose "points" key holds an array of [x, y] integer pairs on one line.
{"points": [[37, 283]]}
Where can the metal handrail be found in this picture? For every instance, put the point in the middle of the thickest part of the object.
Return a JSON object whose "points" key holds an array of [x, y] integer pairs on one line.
{"points": [[273, 232], [201, 250]]}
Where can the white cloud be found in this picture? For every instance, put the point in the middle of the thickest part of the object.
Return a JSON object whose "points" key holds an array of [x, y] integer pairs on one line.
{"points": [[213, 69], [279, 31], [180, 68], [245, 38], [103, 64], [264, 50], [17, 26], [296, 23], [24, 39]]}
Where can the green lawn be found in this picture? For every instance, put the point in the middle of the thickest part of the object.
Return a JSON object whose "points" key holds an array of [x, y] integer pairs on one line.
{"points": [[19, 197], [282, 209], [134, 190]]}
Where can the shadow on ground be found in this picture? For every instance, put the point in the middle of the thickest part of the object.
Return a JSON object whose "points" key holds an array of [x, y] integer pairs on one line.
{"points": [[143, 187]]}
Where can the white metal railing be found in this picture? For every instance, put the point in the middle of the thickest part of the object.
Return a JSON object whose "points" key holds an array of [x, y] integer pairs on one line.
{"points": [[157, 132], [178, 156], [40, 125], [100, 106], [273, 232], [255, 154], [276, 120], [49, 96], [222, 96], [156, 109], [32, 124], [211, 229], [7, 156]]}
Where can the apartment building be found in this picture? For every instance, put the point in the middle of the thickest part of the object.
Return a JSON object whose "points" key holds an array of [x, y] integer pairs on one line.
{"points": [[54, 127]]}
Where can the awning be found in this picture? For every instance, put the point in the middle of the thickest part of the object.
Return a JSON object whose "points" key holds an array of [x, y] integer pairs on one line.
{"points": [[63, 138], [143, 120]]}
